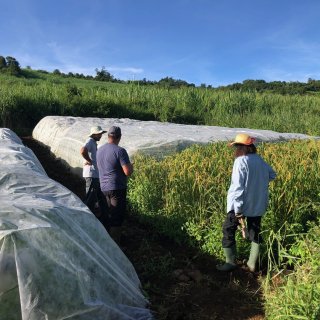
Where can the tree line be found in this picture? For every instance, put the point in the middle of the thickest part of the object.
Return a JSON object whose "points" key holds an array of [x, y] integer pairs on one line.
{"points": [[282, 87], [11, 66], [104, 75]]}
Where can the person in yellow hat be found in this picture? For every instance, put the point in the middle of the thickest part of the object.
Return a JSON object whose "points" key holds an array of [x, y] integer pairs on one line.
{"points": [[247, 200]]}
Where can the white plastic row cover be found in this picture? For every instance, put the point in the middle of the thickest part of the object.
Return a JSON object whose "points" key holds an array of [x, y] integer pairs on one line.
{"points": [[65, 136], [56, 259]]}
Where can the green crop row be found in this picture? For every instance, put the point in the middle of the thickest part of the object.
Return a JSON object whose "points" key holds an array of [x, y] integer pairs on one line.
{"points": [[185, 194], [184, 197]]}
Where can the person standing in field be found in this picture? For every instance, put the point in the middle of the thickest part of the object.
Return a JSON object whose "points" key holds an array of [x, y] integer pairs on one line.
{"points": [[247, 200], [114, 169], [90, 173]]}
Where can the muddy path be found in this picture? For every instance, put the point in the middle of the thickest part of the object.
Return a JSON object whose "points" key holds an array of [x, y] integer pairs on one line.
{"points": [[179, 282]]}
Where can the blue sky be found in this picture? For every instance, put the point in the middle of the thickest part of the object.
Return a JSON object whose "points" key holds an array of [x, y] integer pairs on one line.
{"points": [[205, 41]]}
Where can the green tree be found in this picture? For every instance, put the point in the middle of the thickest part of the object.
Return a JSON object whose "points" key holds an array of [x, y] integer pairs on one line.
{"points": [[3, 63], [13, 66], [103, 75], [56, 72], [169, 82]]}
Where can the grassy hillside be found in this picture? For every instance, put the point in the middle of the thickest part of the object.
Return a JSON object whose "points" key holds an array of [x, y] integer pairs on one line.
{"points": [[25, 100]]}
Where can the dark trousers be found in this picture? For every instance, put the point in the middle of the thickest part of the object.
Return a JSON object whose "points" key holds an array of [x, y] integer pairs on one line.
{"points": [[94, 195], [231, 224], [117, 203]]}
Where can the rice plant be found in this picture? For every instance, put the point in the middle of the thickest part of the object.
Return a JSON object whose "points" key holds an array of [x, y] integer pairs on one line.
{"points": [[185, 194], [295, 293]]}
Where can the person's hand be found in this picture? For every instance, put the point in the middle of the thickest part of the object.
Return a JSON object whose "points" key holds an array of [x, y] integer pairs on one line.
{"points": [[88, 163]]}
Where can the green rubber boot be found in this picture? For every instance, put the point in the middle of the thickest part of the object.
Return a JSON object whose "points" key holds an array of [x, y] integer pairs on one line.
{"points": [[254, 254], [230, 254]]}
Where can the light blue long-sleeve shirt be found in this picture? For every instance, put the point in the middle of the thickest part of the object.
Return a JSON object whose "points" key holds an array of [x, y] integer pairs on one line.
{"points": [[248, 193]]}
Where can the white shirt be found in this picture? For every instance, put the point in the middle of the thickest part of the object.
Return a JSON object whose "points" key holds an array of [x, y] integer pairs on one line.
{"points": [[91, 171]]}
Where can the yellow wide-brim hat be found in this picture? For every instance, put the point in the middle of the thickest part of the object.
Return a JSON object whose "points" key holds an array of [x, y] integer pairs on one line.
{"points": [[242, 138]]}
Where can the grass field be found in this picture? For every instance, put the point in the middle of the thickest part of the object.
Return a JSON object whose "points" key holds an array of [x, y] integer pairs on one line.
{"points": [[184, 195], [24, 101]]}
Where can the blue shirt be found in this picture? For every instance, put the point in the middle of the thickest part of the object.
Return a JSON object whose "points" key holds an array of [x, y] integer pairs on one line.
{"points": [[110, 159], [248, 193]]}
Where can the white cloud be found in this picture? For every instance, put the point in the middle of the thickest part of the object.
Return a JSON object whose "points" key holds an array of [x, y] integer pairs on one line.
{"points": [[64, 64], [278, 74], [125, 69], [293, 58]]}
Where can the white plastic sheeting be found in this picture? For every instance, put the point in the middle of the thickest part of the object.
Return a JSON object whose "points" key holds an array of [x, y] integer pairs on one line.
{"points": [[56, 259], [66, 135]]}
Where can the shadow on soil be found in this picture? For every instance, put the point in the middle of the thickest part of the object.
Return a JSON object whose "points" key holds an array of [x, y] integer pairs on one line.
{"points": [[180, 282]]}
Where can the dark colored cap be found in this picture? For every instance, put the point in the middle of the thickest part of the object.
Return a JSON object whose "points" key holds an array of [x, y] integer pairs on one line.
{"points": [[114, 131]]}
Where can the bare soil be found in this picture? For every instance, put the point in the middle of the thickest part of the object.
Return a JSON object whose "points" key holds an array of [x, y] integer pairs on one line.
{"points": [[180, 282]]}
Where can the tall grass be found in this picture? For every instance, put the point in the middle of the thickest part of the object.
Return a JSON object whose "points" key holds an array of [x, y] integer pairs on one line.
{"points": [[23, 102], [295, 294], [184, 195]]}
